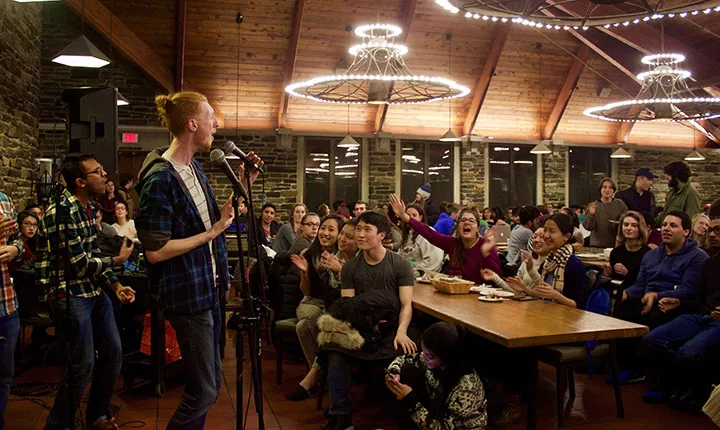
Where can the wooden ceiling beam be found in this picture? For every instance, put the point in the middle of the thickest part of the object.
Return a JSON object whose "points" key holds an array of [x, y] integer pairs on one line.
{"points": [[125, 41], [408, 15], [566, 92], [180, 33], [482, 85], [290, 58]]}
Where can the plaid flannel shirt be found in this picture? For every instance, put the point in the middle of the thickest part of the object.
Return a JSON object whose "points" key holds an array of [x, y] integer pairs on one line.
{"points": [[166, 211], [90, 269], [8, 301]]}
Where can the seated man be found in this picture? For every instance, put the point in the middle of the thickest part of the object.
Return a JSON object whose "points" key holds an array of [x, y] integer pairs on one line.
{"points": [[670, 271], [684, 343], [521, 234], [374, 269]]}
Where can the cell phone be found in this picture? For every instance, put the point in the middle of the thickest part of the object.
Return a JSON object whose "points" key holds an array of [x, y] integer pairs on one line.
{"points": [[392, 375], [524, 298], [549, 278]]}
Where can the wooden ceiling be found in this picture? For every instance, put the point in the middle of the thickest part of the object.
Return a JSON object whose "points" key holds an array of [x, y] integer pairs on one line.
{"points": [[527, 83]]}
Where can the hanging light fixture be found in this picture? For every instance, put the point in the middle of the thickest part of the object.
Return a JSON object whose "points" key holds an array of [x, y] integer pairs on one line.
{"points": [[553, 14], [348, 141], [81, 52], [449, 135], [541, 148], [122, 101], [378, 75], [620, 153], [694, 155]]}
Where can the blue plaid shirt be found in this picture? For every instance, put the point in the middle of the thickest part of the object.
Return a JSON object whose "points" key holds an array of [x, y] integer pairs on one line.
{"points": [[166, 211]]}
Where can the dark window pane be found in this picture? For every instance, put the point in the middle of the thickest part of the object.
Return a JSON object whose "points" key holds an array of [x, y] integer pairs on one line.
{"points": [[587, 168], [440, 172], [512, 175], [317, 172], [346, 176], [413, 169], [323, 158]]}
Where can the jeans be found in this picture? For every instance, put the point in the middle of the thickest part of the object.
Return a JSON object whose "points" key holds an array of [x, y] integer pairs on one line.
{"points": [[9, 330], [687, 337], [89, 327], [307, 330], [198, 336], [338, 379]]}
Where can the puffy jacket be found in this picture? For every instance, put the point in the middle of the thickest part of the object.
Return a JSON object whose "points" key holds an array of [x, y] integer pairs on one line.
{"points": [[284, 287]]}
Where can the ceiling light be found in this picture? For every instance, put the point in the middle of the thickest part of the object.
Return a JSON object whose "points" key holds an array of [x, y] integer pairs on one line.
{"points": [[450, 136], [82, 53], [541, 148], [694, 155], [122, 101], [348, 142], [620, 153]]}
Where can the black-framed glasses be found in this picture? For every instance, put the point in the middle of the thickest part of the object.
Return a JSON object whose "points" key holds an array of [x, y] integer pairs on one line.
{"points": [[95, 171], [30, 224], [471, 221], [311, 224]]}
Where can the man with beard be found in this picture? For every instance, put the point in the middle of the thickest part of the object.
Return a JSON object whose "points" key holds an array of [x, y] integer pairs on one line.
{"points": [[682, 196], [683, 345]]}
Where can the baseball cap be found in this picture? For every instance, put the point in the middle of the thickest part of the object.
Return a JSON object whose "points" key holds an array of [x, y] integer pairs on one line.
{"points": [[646, 172]]}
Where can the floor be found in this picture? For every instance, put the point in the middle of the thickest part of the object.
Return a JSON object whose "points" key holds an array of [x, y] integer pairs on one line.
{"points": [[594, 407]]}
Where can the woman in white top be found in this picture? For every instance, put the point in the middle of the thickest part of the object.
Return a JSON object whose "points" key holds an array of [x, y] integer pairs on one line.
{"points": [[527, 277], [124, 226], [426, 255]]}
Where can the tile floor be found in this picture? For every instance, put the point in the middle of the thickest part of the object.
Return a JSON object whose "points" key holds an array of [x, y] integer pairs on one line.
{"points": [[594, 407]]}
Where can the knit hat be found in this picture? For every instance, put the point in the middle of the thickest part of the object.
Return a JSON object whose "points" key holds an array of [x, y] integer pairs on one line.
{"points": [[424, 191]]}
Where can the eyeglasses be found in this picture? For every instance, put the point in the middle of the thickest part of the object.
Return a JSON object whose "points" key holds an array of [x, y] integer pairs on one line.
{"points": [[30, 224], [96, 172], [471, 221], [715, 230], [312, 224]]}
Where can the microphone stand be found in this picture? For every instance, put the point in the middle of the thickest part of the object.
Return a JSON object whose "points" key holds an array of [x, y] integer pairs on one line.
{"points": [[249, 318]]}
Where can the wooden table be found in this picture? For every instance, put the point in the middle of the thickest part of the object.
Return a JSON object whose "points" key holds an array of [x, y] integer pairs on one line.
{"points": [[515, 324]]}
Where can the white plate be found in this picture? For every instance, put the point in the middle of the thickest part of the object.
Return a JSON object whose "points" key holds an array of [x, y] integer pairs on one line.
{"points": [[423, 281], [491, 299], [497, 293], [591, 256]]}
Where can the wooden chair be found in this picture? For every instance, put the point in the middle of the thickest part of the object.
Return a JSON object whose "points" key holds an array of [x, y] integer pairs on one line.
{"points": [[281, 330]]}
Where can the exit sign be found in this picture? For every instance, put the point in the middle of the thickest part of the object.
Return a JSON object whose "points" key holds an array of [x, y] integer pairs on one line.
{"points": [[130, 138]]}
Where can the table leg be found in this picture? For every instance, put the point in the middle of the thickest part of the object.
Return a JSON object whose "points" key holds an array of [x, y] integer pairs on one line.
{"points": [[616, 381], [531, 395]]}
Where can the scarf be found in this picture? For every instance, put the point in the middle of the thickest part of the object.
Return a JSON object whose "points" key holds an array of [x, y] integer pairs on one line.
{"points": [[555, 265]]}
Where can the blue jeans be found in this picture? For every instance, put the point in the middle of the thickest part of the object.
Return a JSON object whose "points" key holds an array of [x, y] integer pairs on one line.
{"points": [[339, 382], [89, 327], [9, 330], [198, 336], [687, 337]]}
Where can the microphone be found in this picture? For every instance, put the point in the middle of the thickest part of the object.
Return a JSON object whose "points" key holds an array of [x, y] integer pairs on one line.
{"points": [[231, 148], [218, 158]]}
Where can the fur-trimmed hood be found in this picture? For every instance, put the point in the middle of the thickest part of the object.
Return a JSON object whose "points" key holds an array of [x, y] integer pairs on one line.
{"points": [[340, 333]]}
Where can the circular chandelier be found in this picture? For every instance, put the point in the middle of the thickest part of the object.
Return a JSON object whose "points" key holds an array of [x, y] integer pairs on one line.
{"points": [[664, 96], [553, 14], [378, 75]]}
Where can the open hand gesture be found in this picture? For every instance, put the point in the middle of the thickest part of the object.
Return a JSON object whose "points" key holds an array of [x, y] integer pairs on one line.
{"points": [[398, 207], [300, 262]]}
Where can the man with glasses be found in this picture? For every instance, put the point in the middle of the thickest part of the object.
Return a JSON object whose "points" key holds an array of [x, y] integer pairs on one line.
{"points": [[685, 344], [87, 324], [9, 319]]}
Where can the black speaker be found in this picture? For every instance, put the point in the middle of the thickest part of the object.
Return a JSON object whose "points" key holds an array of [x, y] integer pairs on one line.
{"points": [[93, 123]]}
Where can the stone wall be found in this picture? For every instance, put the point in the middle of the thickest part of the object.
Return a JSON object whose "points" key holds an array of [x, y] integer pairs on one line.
{"points": [[554, 176], [472, 175], [706, 173], [20, 25], [382, 173]]}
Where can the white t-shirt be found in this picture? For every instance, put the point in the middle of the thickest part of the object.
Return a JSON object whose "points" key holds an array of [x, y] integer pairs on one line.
{"points": [[127, 230]]}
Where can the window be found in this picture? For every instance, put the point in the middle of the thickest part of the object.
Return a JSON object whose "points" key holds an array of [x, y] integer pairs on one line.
{"points": [[587, 168], [427, 162], [513, 172], [332, 172]]}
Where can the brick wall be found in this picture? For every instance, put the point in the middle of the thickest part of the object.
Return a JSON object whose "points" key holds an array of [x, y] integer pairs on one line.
{"points": [[472, 175], [706, 174], [382, 174], [20, 25], [554, 176]]}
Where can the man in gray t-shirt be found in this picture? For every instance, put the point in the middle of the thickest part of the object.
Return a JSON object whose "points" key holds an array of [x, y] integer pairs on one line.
{"points": [[521, 234], [391, 273]]}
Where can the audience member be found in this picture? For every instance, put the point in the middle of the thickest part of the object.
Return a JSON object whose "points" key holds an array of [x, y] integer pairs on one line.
{"points": [[700, 225], [267, 223], [123, 225], [423, 197], [682, 196], [343, 211], [28, 233], [323, 210], [578, 235], [528, 276], [287, 233], [549, 208], [107, 201], [102, 227], [469, 253], [579, 212], [602, 217], [125, 191], [499, 216], [512, 216], [310, 223], [670, 271], [520, 236], [639, 196], [446, 223], [415, 247], [626, 257], [489, 216], [683, 346], [437, 388], [394, 239], [34, 209], [375, 274], [654, 239], [359, 208]]}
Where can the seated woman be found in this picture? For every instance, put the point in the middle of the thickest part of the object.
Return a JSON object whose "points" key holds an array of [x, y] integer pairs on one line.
{"points": [[654, 239], [700, 226], [287, 233], [626, 257], [320, 281], [416, 247], [310, 224], [563, 274], [469, 253], [528, 276], [125, 227], [578, 236], [436, 388]]}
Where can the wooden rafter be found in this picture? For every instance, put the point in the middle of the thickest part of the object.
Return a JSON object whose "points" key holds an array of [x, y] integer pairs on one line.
{"points": [[180, 44], [483, 83], [290, 61], [408, 15], [566, 92], [126, 41]]}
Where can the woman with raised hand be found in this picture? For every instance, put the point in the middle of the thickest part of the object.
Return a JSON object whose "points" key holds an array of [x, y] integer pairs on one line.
{"points": [[469, 252], [287, 233], [415, 247], [626, 257]]}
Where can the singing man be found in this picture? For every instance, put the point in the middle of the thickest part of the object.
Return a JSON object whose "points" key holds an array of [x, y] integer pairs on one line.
{"points": [[182, 229]]}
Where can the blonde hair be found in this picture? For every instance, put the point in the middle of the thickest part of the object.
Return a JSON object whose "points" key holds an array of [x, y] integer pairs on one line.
{"points": [[176, 109], [701, 240], [642, 227]]}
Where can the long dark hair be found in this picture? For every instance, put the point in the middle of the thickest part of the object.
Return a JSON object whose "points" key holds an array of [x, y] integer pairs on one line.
{"points": [[446, 342], [315, 249], [458, 258], [406, 230], [564, 223]]}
